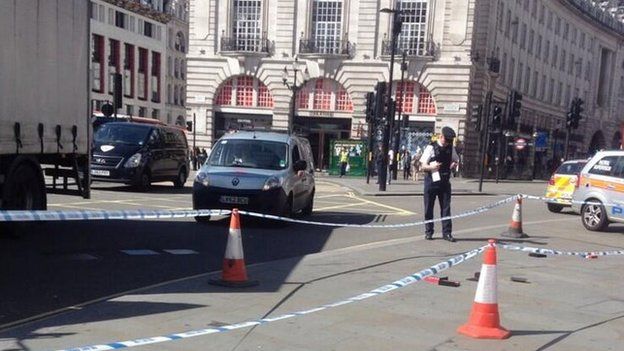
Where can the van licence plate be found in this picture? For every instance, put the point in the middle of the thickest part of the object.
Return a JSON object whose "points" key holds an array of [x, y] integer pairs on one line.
{"points": [[100, 172], [236, 200]]}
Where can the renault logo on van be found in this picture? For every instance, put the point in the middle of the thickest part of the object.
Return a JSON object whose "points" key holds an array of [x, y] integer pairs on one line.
{"points": [[235, 181]]}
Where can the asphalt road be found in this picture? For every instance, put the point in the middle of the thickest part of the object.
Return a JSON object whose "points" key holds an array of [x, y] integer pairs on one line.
{"points": [[64, 266]]}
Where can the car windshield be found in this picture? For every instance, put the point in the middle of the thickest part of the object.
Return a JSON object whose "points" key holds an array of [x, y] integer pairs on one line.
{"points": [[570, 168], [121, 133], [250, 154]]}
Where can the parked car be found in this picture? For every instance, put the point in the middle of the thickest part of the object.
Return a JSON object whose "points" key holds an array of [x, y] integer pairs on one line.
{"points": [[139, 154], [259, 171], [600, 194], [562, 185]]}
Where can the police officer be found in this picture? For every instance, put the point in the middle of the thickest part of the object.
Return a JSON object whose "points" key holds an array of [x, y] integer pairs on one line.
{"points": [[437, 161]]}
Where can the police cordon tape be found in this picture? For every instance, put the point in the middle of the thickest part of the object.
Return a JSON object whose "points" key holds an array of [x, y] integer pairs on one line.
{"points": [[559, 252], [401, 283], [84, 215]]}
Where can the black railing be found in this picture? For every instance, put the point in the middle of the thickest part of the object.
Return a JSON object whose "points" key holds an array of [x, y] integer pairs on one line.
{"points": [[412, 47], [246, 44], [327, 46]]}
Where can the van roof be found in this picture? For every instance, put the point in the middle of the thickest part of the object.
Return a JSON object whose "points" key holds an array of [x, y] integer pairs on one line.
{"points": [[610, 153], [250, 135]]}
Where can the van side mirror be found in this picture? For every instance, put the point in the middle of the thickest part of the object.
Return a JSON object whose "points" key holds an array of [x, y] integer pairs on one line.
{"points": [[300, 165]]}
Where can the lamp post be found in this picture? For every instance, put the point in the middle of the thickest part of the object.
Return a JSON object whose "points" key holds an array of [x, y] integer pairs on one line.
{"points": [[397, 24], [293, 88]]}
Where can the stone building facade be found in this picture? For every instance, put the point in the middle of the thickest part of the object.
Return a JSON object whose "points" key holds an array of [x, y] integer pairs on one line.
{"points": [[247, 57]]}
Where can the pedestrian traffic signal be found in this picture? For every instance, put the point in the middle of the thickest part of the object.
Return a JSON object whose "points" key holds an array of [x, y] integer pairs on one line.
{"points": [[515, 104], [475, 116], [370, 107], [497, 117]]}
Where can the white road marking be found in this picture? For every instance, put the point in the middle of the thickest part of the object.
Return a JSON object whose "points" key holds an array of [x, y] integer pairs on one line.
{"points": [[140, 252], [181, 252]]}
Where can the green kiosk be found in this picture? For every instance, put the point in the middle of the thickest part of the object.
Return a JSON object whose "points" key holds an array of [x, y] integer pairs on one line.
{"points": [[357, 157]]}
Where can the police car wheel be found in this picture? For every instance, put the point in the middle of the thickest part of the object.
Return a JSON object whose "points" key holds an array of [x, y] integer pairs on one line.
{"points": [[554, 208], [594, 215]]}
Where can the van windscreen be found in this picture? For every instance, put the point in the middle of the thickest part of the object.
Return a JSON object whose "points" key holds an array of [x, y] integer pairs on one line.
{"points": [[121, 133], [250, 154]]}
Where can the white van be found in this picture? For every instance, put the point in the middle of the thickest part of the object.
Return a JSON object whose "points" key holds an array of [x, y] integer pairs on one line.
{"points": [[265, 172]]}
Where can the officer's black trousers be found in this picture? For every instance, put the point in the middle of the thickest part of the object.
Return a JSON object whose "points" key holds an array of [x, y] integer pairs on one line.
{"points": [[442, 190]]}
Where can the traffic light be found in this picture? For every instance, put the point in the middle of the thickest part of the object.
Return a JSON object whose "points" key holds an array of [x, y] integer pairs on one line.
{"points": [[574, 115], [370, 107], [391, 109], [189, 126], [380, 94], [515, 104], [475, 116], [497, 117]]}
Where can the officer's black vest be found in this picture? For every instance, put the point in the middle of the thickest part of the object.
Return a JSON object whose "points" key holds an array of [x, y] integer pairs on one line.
{"points": [[443, 155]]}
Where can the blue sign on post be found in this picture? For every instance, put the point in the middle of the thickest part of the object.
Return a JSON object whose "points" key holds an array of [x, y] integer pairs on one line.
{"points": [[541, 140]]}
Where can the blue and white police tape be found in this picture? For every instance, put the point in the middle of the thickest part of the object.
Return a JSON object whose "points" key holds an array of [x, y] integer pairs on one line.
{"points": [[559, 252], [408, 280], [567, 202], [83, 215], [476, 211]]}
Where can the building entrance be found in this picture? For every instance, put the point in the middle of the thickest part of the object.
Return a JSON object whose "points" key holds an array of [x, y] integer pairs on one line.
{"points": [[320, 132]]}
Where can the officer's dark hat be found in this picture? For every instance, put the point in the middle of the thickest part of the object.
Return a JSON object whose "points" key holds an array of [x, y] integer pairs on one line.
{"points": [[448, 133]]}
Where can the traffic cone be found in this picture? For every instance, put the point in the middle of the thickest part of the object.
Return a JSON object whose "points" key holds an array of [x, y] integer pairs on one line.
{"points": [[234, 272], [515, 226], [484, 321]]}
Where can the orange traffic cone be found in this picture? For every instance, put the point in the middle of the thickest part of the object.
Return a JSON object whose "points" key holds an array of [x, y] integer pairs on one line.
{"points": [[484, 321], [234, 272], [515, 226]]}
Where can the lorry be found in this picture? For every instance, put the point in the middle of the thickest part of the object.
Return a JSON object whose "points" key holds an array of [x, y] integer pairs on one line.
{"points": [[44, 101]]}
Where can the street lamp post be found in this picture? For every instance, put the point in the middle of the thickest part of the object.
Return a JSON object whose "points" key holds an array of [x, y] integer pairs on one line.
{"points": [[293, 88], [397, 23]]}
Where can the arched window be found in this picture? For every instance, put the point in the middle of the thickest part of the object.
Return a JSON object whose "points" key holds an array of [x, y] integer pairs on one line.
{"points": [[325, 95], [182, 69], [180, 44], [245, 91], [413, 98]]}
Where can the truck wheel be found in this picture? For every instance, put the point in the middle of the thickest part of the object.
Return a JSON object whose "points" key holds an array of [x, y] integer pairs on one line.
{"points": [[24, 190]]}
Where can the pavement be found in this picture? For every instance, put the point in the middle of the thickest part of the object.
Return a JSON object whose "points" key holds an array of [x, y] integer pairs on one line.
{"points": [[460, 186]]}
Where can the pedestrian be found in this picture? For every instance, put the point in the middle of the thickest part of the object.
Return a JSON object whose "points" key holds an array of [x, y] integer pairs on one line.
{"points": [[406, 161], [344, 161], [194, 157], [416, 164], [437, 160], [390, 164]]}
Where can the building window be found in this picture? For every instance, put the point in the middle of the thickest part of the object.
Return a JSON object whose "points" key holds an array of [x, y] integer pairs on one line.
{"points": [[343, 101], [327, 26], [120, 19], [169, 66], [129, 70], [143, 73], [264, 97], [155, 81], [426, 105], [142, 111], [224, 95], [180, 42], [182, 69], [176, 95], [97, 63], [148, 29], [244, 91], [404, 96], [155, 113], [249, 92], [322, 96], [247, 25], [169, 93], [413, 36], [113, 63]]}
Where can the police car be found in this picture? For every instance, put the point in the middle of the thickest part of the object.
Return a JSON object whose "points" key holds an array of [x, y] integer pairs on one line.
{"points": [[600, 195], [562, 185]]}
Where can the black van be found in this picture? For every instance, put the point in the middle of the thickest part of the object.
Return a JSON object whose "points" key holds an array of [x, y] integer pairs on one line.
{"points": [[139, 154]]}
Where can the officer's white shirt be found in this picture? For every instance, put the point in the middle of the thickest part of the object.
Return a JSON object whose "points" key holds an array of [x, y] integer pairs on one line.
{"points": [[429, 153]]}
